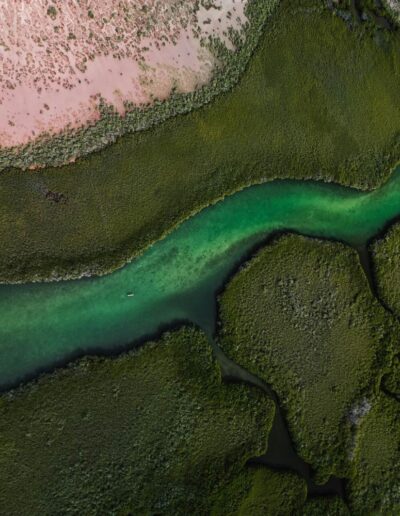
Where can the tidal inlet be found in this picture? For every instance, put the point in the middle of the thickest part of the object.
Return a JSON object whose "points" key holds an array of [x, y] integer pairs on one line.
{"points": [[200, 257]]}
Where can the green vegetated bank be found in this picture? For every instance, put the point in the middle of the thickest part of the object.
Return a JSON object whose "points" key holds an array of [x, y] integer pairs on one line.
{"points": [[300, 316], [317, 100], [385, 252], [151, 432]]}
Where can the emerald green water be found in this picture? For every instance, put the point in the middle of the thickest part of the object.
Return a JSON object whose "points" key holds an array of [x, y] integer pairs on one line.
{"points": [[177, 278]]}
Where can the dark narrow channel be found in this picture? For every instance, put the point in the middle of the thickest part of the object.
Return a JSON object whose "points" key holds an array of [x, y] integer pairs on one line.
{"points": [[281, 454]]}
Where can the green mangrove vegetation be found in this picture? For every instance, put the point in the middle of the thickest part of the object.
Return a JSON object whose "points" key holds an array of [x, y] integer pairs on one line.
{"points": [[391, 380], [261, 492], [318, 100], [325, 506], [374, 488], [300, 315], [385, 253], [151, 432]]}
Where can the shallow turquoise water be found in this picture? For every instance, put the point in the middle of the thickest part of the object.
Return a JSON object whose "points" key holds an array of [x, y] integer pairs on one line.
{"points": [[175, 279]]}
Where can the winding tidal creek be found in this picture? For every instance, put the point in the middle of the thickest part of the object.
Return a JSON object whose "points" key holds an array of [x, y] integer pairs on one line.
{"points": [[176, 279]]}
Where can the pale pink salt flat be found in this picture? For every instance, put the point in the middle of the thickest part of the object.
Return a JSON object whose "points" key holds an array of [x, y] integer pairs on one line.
{"points": [[59, 59]]}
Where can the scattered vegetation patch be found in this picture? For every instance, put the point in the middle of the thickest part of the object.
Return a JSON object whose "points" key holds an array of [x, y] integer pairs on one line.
{"points": [[151, 432], [52, 12], [317, 101], [300, 316]]}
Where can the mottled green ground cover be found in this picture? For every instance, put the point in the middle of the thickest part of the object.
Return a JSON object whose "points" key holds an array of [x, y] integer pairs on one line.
{"points": [[391, 380], [317, 100], [374, 488], [300, 315], [152, 432], [261, 492], [385, 253], [325, 506]]}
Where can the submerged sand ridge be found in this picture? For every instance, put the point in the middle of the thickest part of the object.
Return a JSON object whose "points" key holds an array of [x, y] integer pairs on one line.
{"points": [[60, 60]]}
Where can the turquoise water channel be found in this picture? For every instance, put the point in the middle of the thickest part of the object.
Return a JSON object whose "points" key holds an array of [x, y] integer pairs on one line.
{"points": [[177, 278]]}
